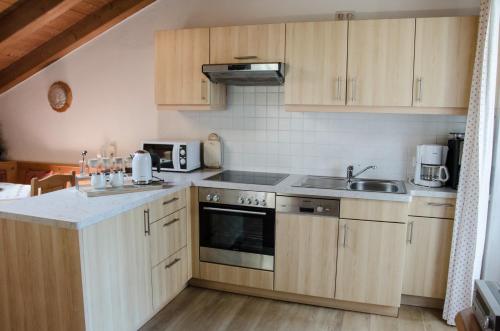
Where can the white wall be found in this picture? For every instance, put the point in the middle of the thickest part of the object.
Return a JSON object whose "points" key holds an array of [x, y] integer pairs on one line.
{"points": [[259, 135], [112, 79]]}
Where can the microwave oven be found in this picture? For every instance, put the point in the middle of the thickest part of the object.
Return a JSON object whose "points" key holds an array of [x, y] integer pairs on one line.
{"points": [[182, 156]]}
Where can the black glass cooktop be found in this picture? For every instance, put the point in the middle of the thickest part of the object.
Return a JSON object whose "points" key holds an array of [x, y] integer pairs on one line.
{"points": [[249, 177]]}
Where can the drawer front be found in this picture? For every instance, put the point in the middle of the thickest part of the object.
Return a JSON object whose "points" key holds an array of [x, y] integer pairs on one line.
{"points": [[169, 278], [166, 205], [168, 235], [237, 276], [374, 210], [432, 207]]}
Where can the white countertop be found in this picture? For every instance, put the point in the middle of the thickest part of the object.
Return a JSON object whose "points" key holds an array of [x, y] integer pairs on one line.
{"points": [[71, 209]]}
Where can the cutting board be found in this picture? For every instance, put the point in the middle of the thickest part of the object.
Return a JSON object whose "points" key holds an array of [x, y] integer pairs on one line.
{"points": [[91, 192]]}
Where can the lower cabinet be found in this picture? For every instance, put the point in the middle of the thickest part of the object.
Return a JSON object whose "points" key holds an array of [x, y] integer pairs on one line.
{"points": [[133, 266], [370, 262], [117, 272], [306, 252], [169, 278], [427, 256]]}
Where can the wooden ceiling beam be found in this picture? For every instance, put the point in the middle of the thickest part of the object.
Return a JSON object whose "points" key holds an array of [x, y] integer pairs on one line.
{"points": [[73, 37], [29, 16]]}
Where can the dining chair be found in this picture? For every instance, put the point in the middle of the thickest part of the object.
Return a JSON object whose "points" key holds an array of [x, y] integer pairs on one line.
{"points": [[51, 183]]}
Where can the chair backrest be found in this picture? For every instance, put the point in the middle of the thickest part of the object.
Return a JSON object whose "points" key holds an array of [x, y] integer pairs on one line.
{"points": [[51, 183]]}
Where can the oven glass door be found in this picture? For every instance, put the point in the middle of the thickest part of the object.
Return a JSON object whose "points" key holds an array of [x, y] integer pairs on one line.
{"points": [[237, 235]]}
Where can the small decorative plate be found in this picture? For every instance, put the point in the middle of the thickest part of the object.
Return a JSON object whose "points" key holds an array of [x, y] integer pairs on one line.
{"points": [[60, 96]]}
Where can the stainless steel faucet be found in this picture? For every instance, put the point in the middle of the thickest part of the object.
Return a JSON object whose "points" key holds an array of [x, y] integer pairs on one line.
{"points": [[350, 170]]}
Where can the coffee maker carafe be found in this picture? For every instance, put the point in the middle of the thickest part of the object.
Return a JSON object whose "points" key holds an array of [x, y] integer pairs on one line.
{"points": [[429, 166]]}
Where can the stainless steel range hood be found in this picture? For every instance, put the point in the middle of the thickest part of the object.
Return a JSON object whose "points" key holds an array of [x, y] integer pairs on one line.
{"points": [[245, 73]]}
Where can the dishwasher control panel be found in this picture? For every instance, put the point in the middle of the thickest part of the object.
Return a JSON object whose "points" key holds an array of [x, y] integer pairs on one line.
{"points": [[307, 205]]}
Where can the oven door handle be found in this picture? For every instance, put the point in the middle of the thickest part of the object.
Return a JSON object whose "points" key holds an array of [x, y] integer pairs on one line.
{"points": [[236, 211]]}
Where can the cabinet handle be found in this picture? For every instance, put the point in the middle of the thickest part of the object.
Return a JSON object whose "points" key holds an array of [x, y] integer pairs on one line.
{"points": [[419, 89], [345, 235], [172, 263], [204, 88], [147, 229], [437, 204], [246, 57], [409, 233], [353, 89], [170, 201], [171, 222], [339, 81]]}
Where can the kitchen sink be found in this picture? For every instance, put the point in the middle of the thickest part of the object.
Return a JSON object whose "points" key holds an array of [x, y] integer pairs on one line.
{"points": [[362, 185], [377, 186]]}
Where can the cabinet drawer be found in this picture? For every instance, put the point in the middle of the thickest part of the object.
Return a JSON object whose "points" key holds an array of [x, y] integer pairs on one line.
{"points": [[168, 235], [236, 275], [166, 205], [374, 210], [169, 278], [432, 207]]}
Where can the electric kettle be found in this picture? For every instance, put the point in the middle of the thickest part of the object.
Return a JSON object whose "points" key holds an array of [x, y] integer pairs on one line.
{"points": [[142, 171]]}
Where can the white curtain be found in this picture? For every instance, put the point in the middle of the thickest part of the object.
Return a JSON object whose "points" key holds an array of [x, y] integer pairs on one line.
{"points": [[473, 192]]}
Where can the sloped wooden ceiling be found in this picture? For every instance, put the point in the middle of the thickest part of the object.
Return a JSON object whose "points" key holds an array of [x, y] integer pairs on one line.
{"points": [[35, 33]]}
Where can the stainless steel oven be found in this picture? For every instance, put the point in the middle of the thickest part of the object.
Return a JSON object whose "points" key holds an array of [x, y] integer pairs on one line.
{"points": [[237, 227]]}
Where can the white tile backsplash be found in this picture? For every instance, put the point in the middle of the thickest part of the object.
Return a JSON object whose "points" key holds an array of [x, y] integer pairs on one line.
{"points": [[259, 135]]}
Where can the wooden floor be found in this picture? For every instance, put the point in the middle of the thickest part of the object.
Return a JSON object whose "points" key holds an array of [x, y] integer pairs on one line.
{"points": [[207, 310]]}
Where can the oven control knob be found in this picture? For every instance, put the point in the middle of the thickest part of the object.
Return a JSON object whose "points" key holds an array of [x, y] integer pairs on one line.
{"points": [[182, 161], [319, 209], [263, 202], [249, 201], [256, 202], [182, 152], [241, 200], [216, 198], [209, 197]]}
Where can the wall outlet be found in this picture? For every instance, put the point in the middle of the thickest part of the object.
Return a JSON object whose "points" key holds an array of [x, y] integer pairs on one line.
{"points": [[344, 15]]}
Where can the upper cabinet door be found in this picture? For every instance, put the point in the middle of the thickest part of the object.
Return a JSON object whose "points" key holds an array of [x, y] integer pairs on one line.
{"points": [[380, 62], [444, 58], [179, 57], [249, 43], [316, 63]]}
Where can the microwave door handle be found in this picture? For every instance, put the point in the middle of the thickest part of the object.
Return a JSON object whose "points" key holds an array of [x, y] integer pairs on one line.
{"points": [[175, 157]]}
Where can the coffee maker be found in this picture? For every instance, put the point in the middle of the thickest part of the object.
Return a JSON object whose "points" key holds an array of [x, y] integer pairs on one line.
{"points": [[429, 166], [454, 158]]}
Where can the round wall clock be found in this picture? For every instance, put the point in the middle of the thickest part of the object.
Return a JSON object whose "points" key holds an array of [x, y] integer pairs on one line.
{"points": [[60, 96]]}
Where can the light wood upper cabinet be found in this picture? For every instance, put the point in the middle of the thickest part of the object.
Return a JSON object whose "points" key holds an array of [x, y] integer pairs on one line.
{"points": [[370, 262], [179, 55], [380, 62], [306, 253], [444, 59], [316, 63], [248, 43], [427, 257]]}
